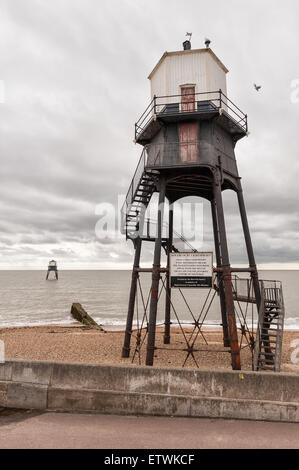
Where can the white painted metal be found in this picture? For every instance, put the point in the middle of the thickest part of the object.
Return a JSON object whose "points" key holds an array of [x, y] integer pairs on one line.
{"points": [[199, 67]]}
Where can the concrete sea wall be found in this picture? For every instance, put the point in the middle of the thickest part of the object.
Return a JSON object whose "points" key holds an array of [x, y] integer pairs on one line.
{"points": [[149, 391]]}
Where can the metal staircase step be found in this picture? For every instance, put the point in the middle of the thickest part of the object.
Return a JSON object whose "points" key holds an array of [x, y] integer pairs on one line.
{"points": [[139, 195], [269, 337], [269, 329], [267, 363], [267, 360]]}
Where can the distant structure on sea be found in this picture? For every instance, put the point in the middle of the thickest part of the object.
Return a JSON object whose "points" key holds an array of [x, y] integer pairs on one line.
{"points": [[52, 267], [189, 133]]}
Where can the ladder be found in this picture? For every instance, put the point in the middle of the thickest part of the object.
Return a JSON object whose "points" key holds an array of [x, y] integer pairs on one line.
{"points": [[269, 336]]}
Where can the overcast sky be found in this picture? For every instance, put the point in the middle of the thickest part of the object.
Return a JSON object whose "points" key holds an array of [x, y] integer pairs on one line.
{"points": [[75, 75]]}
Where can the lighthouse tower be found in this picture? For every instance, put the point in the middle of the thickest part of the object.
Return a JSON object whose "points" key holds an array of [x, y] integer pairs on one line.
{"points": [[52, 267], [189, 134]]}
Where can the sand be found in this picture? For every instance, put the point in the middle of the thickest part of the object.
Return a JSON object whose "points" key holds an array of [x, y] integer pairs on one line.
{"points": [[76, 343]]}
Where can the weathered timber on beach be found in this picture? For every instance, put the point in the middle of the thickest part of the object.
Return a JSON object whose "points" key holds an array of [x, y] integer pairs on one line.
{"points": [[79, 314]]}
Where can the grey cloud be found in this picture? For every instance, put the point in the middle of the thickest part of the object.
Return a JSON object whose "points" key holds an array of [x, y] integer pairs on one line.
{"points": [[75, 75]]}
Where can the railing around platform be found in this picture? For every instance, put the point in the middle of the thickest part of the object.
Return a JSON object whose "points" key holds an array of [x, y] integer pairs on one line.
{"points": [[206, 102], [244, 292]]}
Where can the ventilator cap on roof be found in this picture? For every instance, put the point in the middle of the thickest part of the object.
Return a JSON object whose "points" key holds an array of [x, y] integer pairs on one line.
{"points": [[187, 45]]}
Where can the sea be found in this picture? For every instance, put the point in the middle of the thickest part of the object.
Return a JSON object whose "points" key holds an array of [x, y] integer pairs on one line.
{"points": [[27, 299]]}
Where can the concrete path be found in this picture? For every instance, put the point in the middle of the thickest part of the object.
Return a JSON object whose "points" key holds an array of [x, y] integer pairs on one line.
{"points": [[33, 430]]}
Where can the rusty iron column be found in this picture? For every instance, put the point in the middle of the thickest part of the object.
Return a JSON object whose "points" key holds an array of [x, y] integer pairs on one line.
{"points": [[226, 276], [265, 338], [168, 288], [133, 290], [251, 258], [226, 341], [155, 278]]}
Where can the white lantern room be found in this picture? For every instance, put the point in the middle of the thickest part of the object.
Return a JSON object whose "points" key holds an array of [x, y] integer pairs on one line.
{"points": [[196, 71]]}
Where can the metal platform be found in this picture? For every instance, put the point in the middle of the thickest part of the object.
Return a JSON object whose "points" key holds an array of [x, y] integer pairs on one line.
{"points": [[207, 105]]}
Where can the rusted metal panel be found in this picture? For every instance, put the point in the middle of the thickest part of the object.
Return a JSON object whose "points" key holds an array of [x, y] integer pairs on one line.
{"points": [[189, 142], [188, 98]]}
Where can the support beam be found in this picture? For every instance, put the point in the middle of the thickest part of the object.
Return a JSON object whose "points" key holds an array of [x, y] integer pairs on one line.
{"points": [[227, 281], [254, 274], [168, 288], [155, 278], [150, 270], [226, 342], [251, 258], [235, 270], [131, 308]]}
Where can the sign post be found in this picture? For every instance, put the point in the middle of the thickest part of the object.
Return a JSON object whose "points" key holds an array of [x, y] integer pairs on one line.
{"points": [[191, 270]]}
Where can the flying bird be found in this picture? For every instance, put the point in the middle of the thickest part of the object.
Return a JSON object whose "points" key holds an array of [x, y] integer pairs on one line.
{"points": [[207, 43], [189, 34], [257, 87]]}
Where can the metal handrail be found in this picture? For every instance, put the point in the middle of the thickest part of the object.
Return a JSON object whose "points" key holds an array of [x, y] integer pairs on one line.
{"points": [[265, 285], [143, 164], [218, 102], [177, 234], [147, 109], [130, 194], [232, 103], [191, 94]]}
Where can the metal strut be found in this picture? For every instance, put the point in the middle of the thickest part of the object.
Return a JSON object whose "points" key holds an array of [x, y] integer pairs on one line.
{"points": [[155, 278], [226, 276]]}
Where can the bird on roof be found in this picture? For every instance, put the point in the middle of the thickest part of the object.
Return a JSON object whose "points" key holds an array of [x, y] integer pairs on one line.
{"points": [[207, 42], [257, 87]]}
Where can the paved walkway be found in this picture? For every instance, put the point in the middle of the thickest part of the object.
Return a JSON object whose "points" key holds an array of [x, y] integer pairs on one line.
{"points": [[33, 430]]}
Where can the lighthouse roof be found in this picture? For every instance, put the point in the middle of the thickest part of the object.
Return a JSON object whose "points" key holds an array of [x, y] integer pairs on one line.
{"points": [[188, 52]]}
